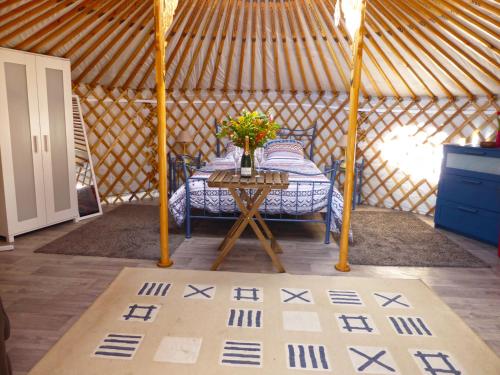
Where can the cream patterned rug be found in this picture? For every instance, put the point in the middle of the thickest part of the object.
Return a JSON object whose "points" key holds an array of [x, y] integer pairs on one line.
{"points": [[152, 321]]}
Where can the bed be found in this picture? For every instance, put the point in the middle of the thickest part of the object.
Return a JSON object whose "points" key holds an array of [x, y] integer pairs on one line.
{"points": [[311, 196]]}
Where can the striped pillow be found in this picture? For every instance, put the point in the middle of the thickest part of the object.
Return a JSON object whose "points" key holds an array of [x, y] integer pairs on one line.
{"points": [[284, 149]]}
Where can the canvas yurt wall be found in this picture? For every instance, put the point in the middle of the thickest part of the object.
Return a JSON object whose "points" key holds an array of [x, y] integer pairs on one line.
{"points": [[429, 77]]}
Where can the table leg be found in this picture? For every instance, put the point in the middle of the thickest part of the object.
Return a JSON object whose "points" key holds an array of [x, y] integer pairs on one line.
{"points": [[274, 244], [263, 239], [239, 220], [233, 229], [228, 244], [246, 218], [265, 244]]}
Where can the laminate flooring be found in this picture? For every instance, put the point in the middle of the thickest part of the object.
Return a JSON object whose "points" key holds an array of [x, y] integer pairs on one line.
{"points": [[45, 294]]}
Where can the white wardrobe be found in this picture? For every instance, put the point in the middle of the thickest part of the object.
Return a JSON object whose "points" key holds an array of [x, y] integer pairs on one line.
{"points": [[37, 162]]}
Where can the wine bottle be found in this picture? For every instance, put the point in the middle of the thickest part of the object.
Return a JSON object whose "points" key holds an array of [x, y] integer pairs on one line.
{"points": [[246, 160]]}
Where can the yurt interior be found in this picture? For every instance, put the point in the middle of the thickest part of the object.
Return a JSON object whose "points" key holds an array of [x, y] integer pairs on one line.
{"points": [[179, 179]]}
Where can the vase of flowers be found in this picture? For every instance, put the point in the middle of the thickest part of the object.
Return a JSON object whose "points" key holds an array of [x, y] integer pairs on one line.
{"points": [[258, 126]]}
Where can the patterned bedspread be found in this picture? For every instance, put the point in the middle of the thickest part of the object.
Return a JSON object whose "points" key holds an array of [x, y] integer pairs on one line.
{"points": [[305, 195]]}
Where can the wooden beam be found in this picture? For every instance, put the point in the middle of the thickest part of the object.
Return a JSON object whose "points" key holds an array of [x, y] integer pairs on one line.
{"points": [[274, 42], [160, 28], [109, 24], [357, 49], [220, 48], [124, 46], [192, 26], [60, 23], [404, 14], [296, 13], [232, 44], [418, 12], [219, 32], [306, 8], [342, 43], [329, 46], [129, 61], [263, 45], [57, 6], [77, 35], [144, 59], [124, 28], [296, 48], [395, 24], [282, 32], [243, 44]]}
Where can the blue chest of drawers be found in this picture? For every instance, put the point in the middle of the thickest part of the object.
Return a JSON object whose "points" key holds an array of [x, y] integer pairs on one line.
{"points": [[468, 200]]}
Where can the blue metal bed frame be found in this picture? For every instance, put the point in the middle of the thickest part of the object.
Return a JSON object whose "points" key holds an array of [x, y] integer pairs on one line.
{"points": [[190, 165]]}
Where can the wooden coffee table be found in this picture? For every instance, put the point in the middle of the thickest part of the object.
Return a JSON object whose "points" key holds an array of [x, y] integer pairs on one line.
{"points": [[249, 207]]}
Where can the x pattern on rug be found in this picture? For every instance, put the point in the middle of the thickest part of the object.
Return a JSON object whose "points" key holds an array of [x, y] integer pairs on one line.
{"points": [[299, 356]]}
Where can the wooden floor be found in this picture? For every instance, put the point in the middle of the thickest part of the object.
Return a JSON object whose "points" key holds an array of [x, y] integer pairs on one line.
{"points": [[45, 294]]}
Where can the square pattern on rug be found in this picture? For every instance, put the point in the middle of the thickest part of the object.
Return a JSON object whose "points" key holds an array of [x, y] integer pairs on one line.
{"points": [[212, 323]]}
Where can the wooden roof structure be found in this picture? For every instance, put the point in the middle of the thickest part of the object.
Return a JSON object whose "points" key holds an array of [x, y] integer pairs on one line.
{"points": [[413, 48]]}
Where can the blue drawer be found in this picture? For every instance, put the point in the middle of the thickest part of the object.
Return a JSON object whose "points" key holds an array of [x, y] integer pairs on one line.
{"points": [[470, 191], [481, 224]]}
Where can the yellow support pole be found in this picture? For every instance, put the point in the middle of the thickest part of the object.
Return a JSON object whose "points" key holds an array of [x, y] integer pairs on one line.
{"points": [[343, 264], [159, 9]]}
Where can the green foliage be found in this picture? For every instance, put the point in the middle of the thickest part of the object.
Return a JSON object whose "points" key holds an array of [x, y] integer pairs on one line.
{"points": [[257, 125]]}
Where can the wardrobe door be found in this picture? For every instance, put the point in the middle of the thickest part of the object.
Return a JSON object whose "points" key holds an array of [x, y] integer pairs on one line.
{"points": [[20, 143], [56, 124]]}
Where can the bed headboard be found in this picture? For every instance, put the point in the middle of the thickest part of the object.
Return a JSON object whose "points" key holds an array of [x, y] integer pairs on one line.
{"points": [[307, 136]]}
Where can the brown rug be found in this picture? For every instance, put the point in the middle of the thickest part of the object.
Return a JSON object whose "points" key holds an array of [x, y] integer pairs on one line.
{"points": [[152, 321], [129, 231], [402, 239]]}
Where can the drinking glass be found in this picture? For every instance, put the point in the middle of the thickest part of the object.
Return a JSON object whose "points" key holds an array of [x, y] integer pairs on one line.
{"points": [[237, 159], [259, 159]]}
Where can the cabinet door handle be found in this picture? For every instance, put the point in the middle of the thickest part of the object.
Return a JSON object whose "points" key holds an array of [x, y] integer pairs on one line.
{"points": [[473, 182], [46, 142], [35, 144], [469, 210]]}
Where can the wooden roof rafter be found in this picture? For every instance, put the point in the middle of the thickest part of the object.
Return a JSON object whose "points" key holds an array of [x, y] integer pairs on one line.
{"points": [[106, 6], [374, 15], [33, 16], [342, 42], [218, 27], [229, 15], [435, 61], [439, 48], [102, 30], [232, 45], [458, 66], [119, 29], [58, 26], [417, 11]]}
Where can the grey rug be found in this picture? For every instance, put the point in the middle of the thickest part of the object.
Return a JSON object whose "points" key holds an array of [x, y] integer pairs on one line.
{"points": [[128, 231], [380, 238], [402, 239]]}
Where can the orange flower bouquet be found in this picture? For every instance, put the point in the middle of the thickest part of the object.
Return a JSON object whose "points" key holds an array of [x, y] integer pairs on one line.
{"points": [[258, 126]]}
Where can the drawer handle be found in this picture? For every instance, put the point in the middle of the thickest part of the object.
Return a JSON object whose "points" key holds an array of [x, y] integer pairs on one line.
{"points": [[474, 152], [473, 182], [469, 210]]}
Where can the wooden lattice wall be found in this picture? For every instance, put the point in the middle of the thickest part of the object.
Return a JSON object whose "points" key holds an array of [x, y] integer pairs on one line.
{"points": [[121, 133], [394, 132]]}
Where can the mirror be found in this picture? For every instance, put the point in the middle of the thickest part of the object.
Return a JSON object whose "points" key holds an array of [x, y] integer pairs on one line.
{"points": [[89, 202]]}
